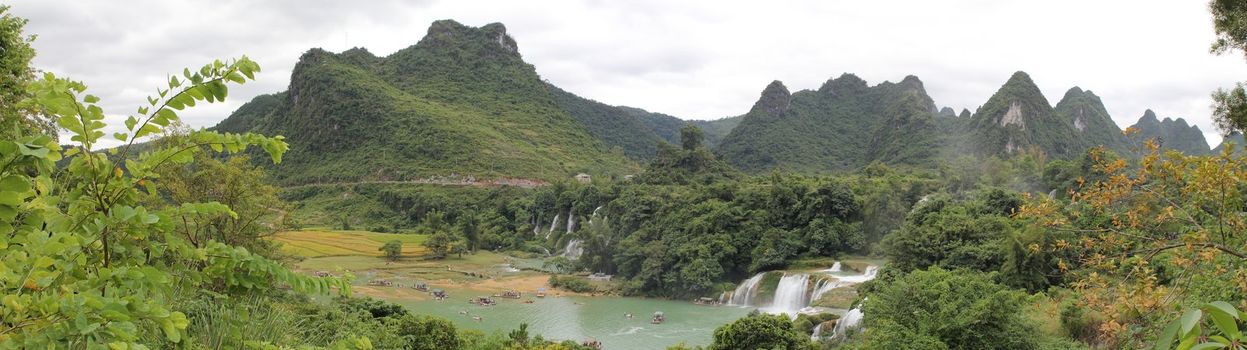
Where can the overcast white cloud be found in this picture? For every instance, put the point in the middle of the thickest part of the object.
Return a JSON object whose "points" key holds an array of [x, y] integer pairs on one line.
{"points": [[691, 59]]}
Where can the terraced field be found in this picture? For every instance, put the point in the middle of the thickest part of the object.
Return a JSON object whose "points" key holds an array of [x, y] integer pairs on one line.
{"points": [[324, 243]]}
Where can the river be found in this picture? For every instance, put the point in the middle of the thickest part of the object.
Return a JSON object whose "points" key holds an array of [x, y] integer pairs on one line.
{"points": [[579, 318]]}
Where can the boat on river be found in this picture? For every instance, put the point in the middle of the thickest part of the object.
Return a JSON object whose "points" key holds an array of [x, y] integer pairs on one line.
{"points": [[659, 318]]}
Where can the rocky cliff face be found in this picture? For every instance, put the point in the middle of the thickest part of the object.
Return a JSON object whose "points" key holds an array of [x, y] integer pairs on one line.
{"points": [[1018, 117]]}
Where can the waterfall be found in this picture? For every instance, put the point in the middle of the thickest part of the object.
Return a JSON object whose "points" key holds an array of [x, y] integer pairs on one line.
{"points": [[835, 267], [594, 214], [571, 221], [791, 294], [824, 286], [743, 295], [869, 274], [574, 249], [818, 330], [553, 223], [850, 321]]}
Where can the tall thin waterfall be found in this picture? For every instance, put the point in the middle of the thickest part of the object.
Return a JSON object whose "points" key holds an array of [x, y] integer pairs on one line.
{"points": [[818, 331], [791, 295], [571, 221], [743, 296], [553, 223]]}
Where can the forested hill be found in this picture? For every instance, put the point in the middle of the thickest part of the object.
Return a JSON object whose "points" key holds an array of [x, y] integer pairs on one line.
{"points": [[462, 101], [1092, 124], [1171, 134], [1018, 117], [635, 132], [843, 125]]}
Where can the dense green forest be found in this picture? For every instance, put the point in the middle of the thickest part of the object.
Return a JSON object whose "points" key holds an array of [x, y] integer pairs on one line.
{"points": [[1051, 231]]}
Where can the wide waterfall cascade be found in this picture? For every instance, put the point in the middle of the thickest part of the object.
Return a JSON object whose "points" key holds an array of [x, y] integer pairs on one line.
{"points": [[791, 294], [575, 248], [795, 291], [850, 321], [743, 295]]}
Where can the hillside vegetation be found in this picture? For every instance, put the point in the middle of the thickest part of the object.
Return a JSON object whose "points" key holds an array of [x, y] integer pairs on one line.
{"points": [[460, 102]]}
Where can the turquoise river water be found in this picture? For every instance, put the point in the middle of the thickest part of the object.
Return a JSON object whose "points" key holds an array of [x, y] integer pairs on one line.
{"points": [[580, 318]]}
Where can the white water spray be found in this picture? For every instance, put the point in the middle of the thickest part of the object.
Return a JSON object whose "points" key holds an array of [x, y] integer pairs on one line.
{"points": [[575, 248], [851, 320], [791, 294]]}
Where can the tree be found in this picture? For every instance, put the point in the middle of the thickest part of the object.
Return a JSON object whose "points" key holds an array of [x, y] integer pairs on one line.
{"points": [[420, 332], [1149, 239], [439, 244], [18, 119], [691, 137], [468, 230], [1229, 19], [235, 182], [86, 262], [392, 249], [760, 331], [950, 233], [946, 310]]}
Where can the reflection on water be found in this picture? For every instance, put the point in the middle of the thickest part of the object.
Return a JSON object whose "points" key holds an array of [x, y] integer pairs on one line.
{"points": [[580, 318]]}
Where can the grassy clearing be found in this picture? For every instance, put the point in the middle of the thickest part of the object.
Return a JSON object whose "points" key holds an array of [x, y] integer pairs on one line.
{"points": [[325, 243]]}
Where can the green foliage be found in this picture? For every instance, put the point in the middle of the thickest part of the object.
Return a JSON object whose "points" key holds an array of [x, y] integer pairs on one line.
{"points": [[946, 232], [1227, 331], [234, 182], [419, 332], [18, 119], [684, 240], [392, 249], [440, 244], [572, 283], [693, 163], [941, 309], [760, 331], [1229, 19], [85, 261]]}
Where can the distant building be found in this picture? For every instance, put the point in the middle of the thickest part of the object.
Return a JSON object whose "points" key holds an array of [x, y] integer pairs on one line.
{"points": [[583, 178]]}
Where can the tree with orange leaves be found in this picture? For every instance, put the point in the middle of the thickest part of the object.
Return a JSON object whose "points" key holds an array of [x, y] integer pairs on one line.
{"points": [[1149, 239]]}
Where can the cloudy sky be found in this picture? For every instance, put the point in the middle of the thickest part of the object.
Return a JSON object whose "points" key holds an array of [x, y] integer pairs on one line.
{"points": [[691, 59]]}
